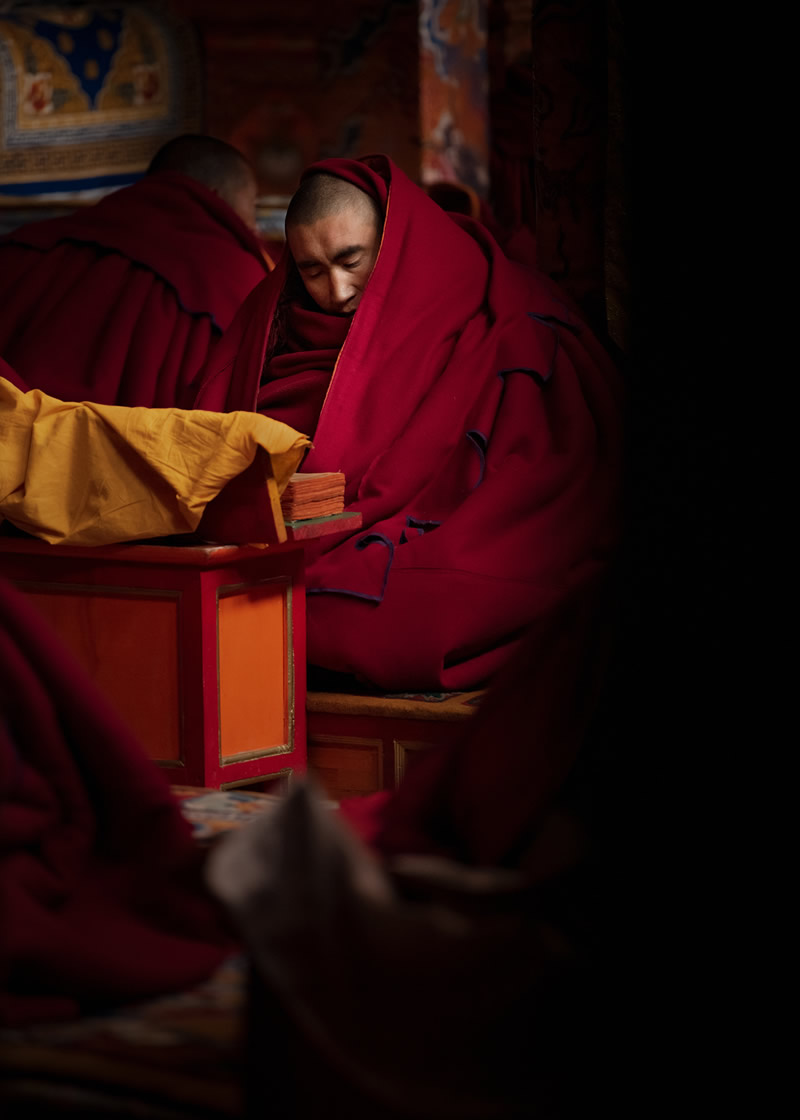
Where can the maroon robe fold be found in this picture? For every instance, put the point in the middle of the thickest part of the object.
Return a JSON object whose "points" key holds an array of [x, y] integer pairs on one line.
{"points": [[101, 893], [532, 725], [294, 386], [478, 423], [121, 302]]}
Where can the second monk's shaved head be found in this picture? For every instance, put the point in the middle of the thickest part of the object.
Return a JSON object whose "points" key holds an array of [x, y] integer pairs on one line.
{"points": [[214, 163]]}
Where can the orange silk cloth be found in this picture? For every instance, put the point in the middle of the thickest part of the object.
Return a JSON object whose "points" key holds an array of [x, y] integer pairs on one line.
{"points": [[91, 474]]}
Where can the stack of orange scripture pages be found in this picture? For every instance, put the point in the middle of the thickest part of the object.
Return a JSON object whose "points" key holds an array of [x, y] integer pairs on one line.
{"points": [[313, 495]]}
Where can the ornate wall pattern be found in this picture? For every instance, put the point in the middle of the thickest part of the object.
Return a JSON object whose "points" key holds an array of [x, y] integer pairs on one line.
{"points": [[89, 92], [453, 97]]}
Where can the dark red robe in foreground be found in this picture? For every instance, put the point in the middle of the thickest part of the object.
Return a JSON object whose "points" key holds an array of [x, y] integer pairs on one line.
{"points": [[101, 895], [121, 302], [473, 969], [478, 423], [494, 797]]}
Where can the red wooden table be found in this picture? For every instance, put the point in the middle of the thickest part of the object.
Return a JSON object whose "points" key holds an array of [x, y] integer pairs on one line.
{"points": [[199, 647]]}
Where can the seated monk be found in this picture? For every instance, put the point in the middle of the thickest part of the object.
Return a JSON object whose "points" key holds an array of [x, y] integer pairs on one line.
{"points": [[476, 418], [121, 302]]}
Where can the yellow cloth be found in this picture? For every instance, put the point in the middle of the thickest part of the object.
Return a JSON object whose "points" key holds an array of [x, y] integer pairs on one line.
{"points": [[90, 474]]}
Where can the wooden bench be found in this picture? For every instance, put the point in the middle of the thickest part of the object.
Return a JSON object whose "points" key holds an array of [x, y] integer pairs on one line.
{"points": [[362, 742]]}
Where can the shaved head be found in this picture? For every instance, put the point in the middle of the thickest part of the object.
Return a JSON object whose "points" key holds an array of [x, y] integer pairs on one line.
{"points": [[214, 163], [323, 196]]}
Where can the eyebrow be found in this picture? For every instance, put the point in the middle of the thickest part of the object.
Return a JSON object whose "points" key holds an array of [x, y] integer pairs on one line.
{"points": [[350, 251]]}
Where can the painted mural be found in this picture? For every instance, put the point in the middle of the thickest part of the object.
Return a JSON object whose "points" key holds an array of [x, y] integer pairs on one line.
{"points": [[89, 92], [453, 95]]}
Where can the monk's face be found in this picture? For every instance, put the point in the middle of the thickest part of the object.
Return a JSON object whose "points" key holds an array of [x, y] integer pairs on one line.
{"points": [[335, 257]]}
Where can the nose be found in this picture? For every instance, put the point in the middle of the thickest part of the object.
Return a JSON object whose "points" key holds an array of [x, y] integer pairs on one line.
{"points": [[340, 290]]}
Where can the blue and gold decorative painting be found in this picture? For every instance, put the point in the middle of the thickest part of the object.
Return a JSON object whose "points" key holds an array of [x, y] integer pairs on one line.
{"points": [[89, 92]]}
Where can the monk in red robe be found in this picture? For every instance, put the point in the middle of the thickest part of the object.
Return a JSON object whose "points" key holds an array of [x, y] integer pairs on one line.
{"points": [[122, 301], [476, 418]]}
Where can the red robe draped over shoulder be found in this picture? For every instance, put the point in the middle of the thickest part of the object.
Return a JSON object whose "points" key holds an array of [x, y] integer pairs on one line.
{"points": [[102, 899], [478, 423], [121, 302]]}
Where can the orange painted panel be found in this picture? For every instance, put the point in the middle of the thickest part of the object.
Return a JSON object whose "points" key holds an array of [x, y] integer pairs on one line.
{"points": [[254, 677], [129, 645]]}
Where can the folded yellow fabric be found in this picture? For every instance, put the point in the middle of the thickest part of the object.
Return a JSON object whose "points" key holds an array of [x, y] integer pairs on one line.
{"points": [[93, 474]]}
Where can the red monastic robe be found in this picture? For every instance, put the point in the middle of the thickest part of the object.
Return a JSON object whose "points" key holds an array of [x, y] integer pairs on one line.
{"points": [[102, 899], [121, 302], [478, 423]]}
